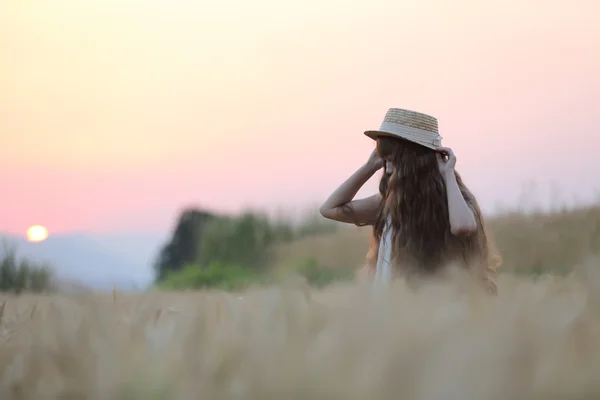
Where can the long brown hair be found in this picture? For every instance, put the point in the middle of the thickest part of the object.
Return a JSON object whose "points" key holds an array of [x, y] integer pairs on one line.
{"points": [[415, 202]]}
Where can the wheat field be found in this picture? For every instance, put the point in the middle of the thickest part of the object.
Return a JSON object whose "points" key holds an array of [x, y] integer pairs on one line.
{"points": [[538, 339]]}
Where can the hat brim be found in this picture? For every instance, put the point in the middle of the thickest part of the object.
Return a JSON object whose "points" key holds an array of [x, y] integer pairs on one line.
{"points": [[377, 134]]}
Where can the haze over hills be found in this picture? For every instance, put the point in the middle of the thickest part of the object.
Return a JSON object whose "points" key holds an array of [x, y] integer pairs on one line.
{"points": [[99, 261]]}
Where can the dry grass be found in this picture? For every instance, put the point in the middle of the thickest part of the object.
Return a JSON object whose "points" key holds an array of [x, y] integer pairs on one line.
{"points": [[346, 248], [531, 243], [538, 339]]}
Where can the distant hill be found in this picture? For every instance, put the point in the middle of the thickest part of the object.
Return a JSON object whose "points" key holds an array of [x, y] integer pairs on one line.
{"points": [[98, 261]]}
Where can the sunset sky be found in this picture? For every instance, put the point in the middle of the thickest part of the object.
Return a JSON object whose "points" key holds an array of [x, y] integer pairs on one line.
{"points": [[114, 114]]}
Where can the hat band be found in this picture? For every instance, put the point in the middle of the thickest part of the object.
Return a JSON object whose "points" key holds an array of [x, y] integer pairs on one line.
{"points": [[416, 134]]}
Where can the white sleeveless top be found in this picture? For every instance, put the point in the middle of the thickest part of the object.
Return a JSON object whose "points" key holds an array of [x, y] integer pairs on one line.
{"points": [[383, 271]]}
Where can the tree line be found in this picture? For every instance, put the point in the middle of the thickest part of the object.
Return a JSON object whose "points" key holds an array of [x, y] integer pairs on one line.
{"points": [[22, 275], [224, 251]]}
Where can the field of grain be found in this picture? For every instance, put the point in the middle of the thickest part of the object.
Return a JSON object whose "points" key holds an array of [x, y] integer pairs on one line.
{"points": [[538, 339]]}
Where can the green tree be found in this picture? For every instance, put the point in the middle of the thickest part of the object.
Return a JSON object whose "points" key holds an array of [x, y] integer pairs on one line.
{"points": [[22, 282], [183, 248], [20, 275], [244, 241], [8, 269]]}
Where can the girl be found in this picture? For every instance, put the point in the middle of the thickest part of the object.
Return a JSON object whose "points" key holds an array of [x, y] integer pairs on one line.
{"points": [[424, 217]]}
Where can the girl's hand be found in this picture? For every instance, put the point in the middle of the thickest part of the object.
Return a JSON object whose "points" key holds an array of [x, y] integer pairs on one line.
{"points": [[446, 159], [375, 161]]}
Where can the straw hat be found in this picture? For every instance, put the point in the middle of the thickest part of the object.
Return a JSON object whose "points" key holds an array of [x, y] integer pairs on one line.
{"points": [[409, 125]]}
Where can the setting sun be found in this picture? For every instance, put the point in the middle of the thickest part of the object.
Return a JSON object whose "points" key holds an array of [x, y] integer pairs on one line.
{"points": [[37, 233]]}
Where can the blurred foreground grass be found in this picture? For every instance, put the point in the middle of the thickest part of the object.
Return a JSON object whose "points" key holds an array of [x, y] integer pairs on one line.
{"points": [[538, 339]]}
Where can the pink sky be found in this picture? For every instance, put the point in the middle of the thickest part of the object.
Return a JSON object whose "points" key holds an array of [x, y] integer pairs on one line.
{"points": [[114, 114]]}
